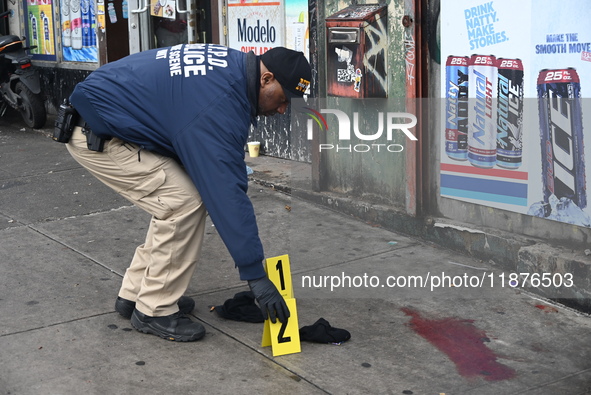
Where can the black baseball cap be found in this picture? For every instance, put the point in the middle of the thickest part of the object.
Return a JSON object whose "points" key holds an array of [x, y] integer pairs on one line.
{"points": [[290, 68]]}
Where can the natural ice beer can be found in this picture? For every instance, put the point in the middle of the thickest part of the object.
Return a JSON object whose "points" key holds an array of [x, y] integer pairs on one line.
{"points": [[509, 113]]}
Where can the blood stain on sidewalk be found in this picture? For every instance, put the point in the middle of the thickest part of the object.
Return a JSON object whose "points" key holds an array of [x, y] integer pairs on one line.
{"points": [[463, 343]]}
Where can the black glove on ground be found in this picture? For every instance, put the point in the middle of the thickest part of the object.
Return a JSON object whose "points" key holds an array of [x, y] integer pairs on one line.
{"points": [[270, 300]]}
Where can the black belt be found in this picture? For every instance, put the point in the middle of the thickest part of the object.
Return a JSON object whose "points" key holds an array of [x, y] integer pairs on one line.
{"points": [[86, 128]]}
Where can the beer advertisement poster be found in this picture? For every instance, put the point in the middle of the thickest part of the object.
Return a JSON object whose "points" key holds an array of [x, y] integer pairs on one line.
{"points": [[256, 25], [39, 23], [78, 21], [515, 83]]}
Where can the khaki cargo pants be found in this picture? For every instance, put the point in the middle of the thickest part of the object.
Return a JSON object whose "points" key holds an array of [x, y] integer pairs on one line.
{"points": [[162, 267]]}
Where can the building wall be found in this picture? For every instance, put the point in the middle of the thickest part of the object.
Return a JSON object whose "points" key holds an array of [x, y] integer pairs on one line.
{"points": [[376, 176], [58, 84]]}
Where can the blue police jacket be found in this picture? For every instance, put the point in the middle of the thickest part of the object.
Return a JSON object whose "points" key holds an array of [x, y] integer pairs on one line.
{"points": [[194, 103]]}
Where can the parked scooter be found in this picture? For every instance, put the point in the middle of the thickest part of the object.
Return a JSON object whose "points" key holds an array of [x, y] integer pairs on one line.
{"points": [[20, 85]]}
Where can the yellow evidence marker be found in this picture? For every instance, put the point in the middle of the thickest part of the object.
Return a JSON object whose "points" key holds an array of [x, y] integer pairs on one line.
{"points": [[284, 337]]}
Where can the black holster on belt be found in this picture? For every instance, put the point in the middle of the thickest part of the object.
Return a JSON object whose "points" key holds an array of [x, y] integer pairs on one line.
{"points": [[93, 142], [67, 119]]}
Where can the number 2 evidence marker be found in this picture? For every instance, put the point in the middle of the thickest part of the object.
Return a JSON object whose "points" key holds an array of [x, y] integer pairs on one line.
{"points": [[284, 337]]}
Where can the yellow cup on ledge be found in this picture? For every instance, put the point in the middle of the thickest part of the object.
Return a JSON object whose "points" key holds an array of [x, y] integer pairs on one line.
{"points": [[254, 148]]}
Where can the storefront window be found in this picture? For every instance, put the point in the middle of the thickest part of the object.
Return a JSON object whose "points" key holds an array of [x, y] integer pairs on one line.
{"points": [[170, 23]]}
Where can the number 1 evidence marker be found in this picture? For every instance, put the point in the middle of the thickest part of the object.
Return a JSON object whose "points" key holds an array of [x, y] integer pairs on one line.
{"points": [[284, 337]]}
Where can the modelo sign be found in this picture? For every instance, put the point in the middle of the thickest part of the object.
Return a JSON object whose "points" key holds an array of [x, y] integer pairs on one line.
{"points": [[255, 26], [258, 34]]}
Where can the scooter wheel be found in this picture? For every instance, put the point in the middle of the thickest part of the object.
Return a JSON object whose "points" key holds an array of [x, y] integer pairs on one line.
{"points": [[32, 107]]}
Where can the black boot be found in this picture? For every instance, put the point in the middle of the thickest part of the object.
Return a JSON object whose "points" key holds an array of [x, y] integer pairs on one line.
{"points": [[176, 327], [125, 307]]}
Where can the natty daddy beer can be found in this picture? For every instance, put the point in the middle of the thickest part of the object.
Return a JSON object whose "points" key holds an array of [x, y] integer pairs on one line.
{"points": [[456, 107]]}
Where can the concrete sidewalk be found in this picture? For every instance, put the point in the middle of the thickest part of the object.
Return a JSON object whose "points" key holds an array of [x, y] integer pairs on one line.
{"points": [[65, 241]]}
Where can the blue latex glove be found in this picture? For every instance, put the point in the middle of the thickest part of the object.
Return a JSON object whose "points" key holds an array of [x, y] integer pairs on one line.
{"points": [[270, 300]]}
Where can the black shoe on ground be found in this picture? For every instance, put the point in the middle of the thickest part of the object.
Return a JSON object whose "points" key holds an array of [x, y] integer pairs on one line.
{"points": [[175, 327], [125, 307]]}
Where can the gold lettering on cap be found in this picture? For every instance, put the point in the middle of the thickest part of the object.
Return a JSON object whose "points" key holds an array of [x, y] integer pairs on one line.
{"points": [[303, 85]]}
